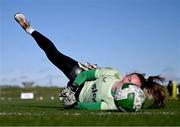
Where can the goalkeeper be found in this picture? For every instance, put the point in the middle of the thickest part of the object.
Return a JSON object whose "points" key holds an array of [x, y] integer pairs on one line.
{"points": [[90, 87]]}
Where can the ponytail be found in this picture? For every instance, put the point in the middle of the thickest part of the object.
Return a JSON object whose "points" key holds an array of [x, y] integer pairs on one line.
{"points": [[153, 88], [156, 90]]}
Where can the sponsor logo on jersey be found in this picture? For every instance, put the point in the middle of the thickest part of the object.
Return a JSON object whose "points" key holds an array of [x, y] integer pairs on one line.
{"points": [[94, 90]]}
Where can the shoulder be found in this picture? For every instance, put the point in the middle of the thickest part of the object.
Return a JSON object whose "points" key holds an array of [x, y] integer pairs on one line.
{"points": [[107, 71]]}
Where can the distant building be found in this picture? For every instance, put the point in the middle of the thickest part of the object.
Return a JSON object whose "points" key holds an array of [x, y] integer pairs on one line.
{"points": [[27, 84]]}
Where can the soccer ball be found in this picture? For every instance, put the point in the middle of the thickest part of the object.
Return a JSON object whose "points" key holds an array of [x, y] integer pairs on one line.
{"points": [[129, 98]]}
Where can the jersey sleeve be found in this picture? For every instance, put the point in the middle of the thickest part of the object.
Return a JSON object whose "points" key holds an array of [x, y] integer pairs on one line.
{"points": [[85, 76], [89, 106], [93, 106], [90, 75]]}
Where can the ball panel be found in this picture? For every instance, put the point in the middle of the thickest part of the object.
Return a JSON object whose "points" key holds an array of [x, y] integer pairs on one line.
{"points": [[129, 97], [128, 103], [124, 86]]}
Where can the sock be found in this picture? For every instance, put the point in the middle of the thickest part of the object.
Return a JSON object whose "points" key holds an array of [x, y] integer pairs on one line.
{"points": [[29, 30]]}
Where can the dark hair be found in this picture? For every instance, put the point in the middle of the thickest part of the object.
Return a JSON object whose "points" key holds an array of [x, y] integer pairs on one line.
{"points": [[154, 88]]}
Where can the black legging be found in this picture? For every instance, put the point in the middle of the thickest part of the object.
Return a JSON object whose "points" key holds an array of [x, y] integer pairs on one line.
{"points": [[66, 64]]}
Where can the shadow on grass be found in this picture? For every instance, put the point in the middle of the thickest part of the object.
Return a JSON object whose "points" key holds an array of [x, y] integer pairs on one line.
{"points": [[44, 106], [40, 106]]}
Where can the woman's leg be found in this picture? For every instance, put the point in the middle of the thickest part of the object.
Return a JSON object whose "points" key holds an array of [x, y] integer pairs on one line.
{"points": [[66, 64]]}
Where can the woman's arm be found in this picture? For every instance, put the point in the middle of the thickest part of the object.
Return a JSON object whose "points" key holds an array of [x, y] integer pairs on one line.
{"points": [[94, 74], [93, 105], [85, 76], [89, 106]]}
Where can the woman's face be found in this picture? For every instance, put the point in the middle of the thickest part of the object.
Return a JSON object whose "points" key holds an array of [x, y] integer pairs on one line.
{"points": [[132, 78]]}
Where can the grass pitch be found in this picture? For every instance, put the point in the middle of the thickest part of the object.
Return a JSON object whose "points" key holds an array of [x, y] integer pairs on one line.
{"points": [[50, 112]]}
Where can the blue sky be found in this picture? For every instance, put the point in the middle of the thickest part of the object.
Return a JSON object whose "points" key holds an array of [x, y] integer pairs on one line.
{"points": [[129, 35]]}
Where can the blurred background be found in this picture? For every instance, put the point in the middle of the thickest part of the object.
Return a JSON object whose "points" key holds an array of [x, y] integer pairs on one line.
{"points": [[128, 35]]}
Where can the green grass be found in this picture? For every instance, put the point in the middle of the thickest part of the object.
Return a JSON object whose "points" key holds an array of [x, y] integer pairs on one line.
{"points": [[50, 112]]}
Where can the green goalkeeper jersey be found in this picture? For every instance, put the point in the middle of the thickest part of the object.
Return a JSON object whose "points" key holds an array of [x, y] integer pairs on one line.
{"points": [[97, 90]]}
